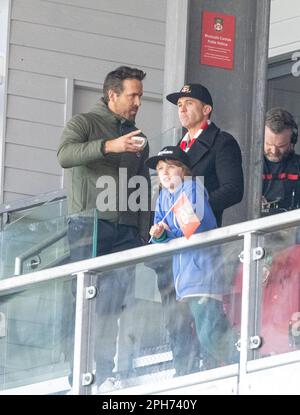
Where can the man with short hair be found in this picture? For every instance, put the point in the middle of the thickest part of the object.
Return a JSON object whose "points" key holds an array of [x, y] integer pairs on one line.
{"points": [[97, 146], [281, 168], [99, 143]]}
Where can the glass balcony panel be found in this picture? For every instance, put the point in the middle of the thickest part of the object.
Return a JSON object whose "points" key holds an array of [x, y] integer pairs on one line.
{"points": [[278, 293], [37, 337], [37, 240], [142, 335], [44, 211]]}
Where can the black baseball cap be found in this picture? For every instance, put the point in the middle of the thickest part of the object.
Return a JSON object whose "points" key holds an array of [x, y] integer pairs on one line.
{"points": [[169, 153], [196, 91]]}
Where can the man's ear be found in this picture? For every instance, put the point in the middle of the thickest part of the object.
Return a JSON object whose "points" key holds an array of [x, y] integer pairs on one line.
{"points": [[111, 95], [207, 109]]}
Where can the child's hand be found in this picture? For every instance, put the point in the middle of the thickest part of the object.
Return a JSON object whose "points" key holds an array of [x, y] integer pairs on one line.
{"points": [[157, 230], [166, 227]]}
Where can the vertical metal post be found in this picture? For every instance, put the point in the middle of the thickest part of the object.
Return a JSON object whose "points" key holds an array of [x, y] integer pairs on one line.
{"points": [[247, 318], [68, 112], [253, 182], [82, 368]]}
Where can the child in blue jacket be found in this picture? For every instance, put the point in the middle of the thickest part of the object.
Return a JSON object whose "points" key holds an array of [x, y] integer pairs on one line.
{"points": [[197, 272]]}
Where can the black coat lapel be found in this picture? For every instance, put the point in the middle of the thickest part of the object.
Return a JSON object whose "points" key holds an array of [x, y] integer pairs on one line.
{"points": [[203, 144]]}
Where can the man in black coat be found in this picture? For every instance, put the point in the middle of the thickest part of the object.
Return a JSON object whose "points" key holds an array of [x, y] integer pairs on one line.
{"points": [[215, 155]]}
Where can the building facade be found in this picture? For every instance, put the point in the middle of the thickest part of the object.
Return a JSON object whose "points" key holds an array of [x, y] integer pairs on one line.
{"points": [[54, 56]]}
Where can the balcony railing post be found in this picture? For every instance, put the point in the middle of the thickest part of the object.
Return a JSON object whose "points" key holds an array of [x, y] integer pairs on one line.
{"points": [[248, 306], [82, 366]]}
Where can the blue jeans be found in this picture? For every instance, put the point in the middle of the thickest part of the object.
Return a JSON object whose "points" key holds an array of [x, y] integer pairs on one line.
{"points": [[216, 336], [178, 319], [115, 288]]}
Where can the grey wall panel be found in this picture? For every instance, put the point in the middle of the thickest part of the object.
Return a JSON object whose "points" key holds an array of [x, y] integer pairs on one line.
{"points": [[150, 120], [85, 98], [285, 36], [11, 197], [29, 182], [35, 110], [36, 86], [77, 67], [30, 158], [284, 10], [89, 21], [107, 48], [287, 99], [286, 83], [284, 27], [33, 134], [153, 9], [54, 44]]}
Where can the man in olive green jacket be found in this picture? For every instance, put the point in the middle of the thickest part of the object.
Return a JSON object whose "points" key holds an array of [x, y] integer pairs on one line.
{"points": [[98, 144], [103, 154]]}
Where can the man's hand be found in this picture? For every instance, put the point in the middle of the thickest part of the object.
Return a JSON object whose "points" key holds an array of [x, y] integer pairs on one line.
{"points": [[123, 143]]}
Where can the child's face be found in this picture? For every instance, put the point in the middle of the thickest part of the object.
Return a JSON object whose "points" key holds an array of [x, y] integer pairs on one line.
{"points": [[170, 176]]}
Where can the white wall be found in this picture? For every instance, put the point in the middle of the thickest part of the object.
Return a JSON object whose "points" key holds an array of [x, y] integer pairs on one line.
{"points": [[4, 35], [79, 41], [283, 87], [284, 27]]}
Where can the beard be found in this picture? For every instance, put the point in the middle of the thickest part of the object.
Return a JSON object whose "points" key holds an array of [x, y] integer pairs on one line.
{"points": [[282, 157]]}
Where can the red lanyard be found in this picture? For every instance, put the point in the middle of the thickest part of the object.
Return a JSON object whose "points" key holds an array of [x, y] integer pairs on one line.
{"points": [[184, 144]]}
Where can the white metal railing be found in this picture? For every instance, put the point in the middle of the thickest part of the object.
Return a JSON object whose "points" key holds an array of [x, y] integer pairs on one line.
{"points": [[246, 231], [36, 250], [124, 258], [33, 201]]}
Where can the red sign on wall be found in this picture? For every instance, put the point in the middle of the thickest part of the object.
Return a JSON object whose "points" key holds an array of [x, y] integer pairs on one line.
{"points": [[217, 40]]}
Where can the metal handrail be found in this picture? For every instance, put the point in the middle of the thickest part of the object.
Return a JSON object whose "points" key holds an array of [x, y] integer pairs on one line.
{"points": [[32, 201], [124, 258], [36, 249]]}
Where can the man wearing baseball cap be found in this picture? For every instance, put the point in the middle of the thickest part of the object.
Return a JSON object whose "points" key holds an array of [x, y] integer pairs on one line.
{"points": [[213, 154]]}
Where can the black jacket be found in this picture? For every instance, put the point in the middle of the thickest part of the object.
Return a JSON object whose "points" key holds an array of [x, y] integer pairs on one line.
{"points": [[216, 155], [281, 184]]}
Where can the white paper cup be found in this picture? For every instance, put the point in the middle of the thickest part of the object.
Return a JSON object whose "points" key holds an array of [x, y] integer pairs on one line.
{"points": [[140, 141]]}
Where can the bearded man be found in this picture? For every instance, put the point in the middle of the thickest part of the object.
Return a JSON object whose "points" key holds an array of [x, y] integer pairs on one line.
{"points": [[281, 169]]}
